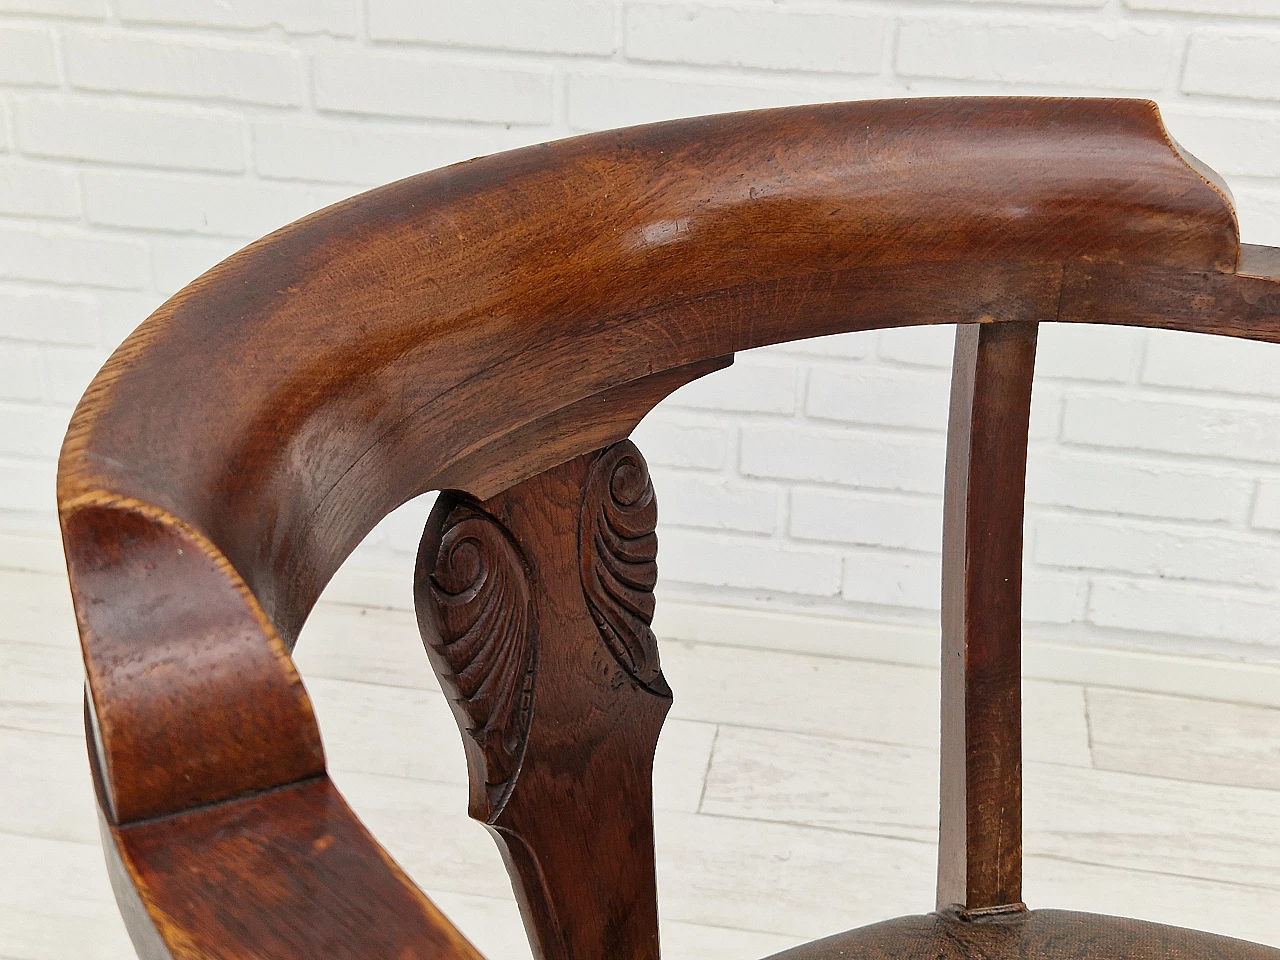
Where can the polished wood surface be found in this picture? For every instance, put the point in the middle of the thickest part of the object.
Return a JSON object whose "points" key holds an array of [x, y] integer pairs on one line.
{"points": [[980, 841], [287, 873], [483, 329], [550, 274], [535, 607], [171, 749]]}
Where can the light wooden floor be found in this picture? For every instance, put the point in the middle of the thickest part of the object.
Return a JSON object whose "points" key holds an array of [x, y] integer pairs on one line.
{"points": [[796, 795]]}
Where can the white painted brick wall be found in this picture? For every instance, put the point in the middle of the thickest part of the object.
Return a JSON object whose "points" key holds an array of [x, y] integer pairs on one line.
{"points": [[28, 57], [125, 61], [769, 37], [1043, 51], [340, 18], [1234, 64], [436, 88], [141, 141], [132, 135], [526, 26]]}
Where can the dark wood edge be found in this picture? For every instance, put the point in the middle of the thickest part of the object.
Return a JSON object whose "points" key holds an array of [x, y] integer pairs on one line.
{"points": [[980, 843]]}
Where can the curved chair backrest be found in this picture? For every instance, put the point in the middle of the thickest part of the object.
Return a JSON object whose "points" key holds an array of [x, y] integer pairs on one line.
{"points": [[495, 328]]}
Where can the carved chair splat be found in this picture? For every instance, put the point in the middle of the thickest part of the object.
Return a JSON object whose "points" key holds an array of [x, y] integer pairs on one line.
{"points": [[495, 330], [536, 608]]}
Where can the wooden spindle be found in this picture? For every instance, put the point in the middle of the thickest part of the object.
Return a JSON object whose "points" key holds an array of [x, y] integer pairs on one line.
{"points": [[980, 848]]}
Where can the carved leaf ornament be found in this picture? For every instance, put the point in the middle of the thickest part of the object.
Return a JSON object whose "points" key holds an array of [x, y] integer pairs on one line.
{"points": [[618, 553], [480, 585]]}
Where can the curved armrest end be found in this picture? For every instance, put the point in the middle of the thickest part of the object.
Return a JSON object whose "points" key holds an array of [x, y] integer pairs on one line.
{"points": [[284, 874], [193, 697]]}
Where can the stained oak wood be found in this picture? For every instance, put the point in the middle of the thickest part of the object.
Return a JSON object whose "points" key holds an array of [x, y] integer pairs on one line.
{"points": [[275, 875], [177, 741], [477, 327], [288, 873], [980, 843], [536, 607]]}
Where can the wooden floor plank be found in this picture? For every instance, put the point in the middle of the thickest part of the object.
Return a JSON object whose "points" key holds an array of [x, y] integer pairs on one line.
{"points": [[1207, 740], [820, 807], [56, 902], [358, 643], [394, 731], [494, 926], [1142, 823], [45, 787], [41, 688], [825, 696], [37, 609]]}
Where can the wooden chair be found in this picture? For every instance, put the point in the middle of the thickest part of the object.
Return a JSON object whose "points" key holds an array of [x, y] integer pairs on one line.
{"points": [[495, 330]]}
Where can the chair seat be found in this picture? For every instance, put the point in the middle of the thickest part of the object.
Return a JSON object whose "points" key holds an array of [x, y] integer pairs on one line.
{"points": [[1034, 935]]}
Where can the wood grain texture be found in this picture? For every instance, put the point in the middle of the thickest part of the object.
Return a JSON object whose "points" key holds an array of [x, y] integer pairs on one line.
{"points": [[489, 325], [980, 843], [1200, 302], [485, 642], [257, 877], [575, 824], [618, 561], [177, 742], [275, 875]]}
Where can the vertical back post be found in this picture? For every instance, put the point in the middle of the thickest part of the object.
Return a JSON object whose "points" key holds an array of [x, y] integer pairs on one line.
{"points": [[980, 843]]}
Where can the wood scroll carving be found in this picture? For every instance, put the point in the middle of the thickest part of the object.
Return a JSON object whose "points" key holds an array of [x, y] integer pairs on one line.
{"points": [[485, 641], [618, 553], [535, 607]]}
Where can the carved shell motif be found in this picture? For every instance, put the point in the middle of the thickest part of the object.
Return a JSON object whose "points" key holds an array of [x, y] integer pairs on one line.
{"points": [[487, 639], [618, 552]]}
